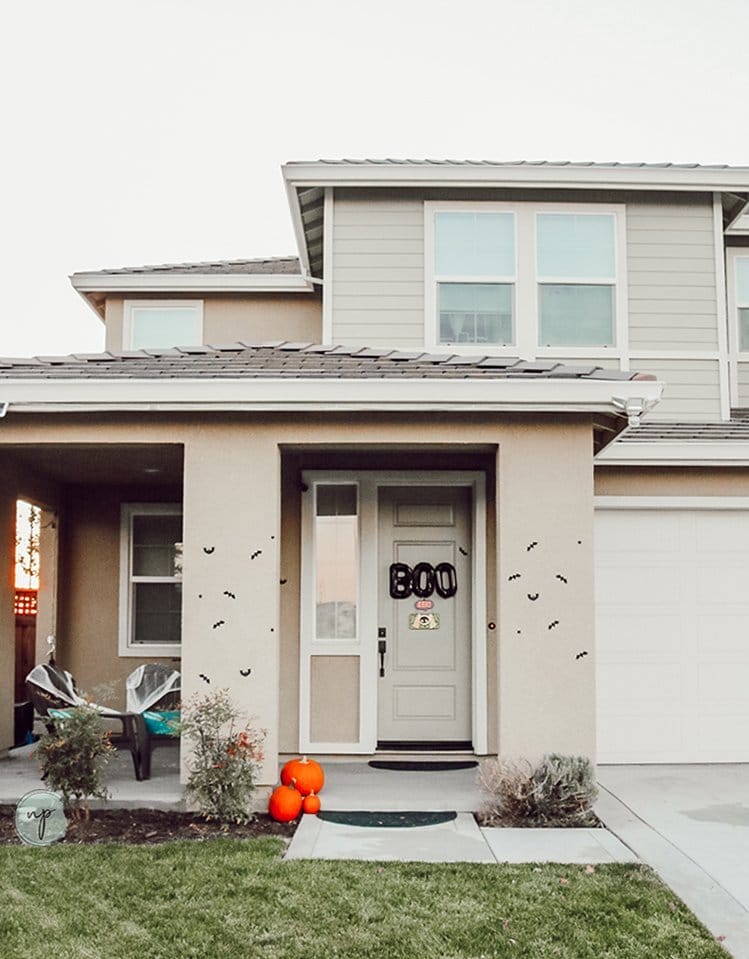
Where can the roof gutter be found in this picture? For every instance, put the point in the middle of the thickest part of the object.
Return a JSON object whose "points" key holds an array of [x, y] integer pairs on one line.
{"points": [[191, 282], [620, 397]]}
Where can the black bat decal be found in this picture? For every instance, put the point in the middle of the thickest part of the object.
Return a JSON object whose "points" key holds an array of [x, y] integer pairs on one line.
{"points": [[257, 553], [514, 576], [533, 597], [208, 550], [463, 552], [245, 672], [583, 653], [221, 622], [230, 595], [204, 677], [283, 582], [531, 546], [552, 625], [562, 579]]}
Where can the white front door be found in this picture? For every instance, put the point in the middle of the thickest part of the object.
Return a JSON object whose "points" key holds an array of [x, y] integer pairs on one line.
{"points": [[424, 635]]}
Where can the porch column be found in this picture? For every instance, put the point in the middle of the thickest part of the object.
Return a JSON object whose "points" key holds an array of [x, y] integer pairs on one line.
{"points": [[7, 615], [546, 598], [230, 605]]}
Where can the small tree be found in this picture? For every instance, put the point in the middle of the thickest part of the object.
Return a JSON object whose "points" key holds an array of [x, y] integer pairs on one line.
{"points": [[226, 757], [73, 756]]}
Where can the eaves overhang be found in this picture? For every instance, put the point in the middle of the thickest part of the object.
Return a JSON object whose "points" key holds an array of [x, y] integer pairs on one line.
{"points": [[691, 454], [190, 282], [278, 394]]}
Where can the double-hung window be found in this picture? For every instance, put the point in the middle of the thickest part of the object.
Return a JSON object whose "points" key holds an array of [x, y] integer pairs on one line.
{"points": [[162, 324], [525, 278], [739, 293], [151, 579], [474, 264]]}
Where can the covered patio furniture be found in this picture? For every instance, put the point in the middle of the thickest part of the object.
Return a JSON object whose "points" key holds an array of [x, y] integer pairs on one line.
{"points": [[153, 692], [52, 688]]}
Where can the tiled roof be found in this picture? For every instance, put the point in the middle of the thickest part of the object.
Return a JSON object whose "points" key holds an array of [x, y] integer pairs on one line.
{"points": [[525, 163], [295, 360], [651, 431], [277, 265]]}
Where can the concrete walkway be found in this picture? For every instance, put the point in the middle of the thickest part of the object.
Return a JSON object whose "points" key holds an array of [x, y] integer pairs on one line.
{"points": [[691, 824]]}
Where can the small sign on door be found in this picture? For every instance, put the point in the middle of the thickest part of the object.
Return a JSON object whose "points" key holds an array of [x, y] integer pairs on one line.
{"points": [[424, 621]]}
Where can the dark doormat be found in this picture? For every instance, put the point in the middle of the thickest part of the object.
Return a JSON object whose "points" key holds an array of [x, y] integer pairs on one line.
{"points": [[423, 765], [387, 820]]}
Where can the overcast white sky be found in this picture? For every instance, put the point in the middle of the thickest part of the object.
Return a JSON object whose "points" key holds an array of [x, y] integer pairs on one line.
{"points": [[152, 131]]}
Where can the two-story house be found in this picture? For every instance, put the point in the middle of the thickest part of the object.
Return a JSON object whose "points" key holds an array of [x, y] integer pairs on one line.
{"points": [[394, 493]]}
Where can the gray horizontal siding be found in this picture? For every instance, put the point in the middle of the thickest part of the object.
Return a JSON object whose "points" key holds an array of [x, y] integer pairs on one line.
{"points": [[378, 280], [671, 275], [692, 388], [742, 378]]}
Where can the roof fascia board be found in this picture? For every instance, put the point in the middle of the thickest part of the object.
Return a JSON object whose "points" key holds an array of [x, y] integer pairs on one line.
{"points": [[669, 453], [298, 225], [301, 175], [331, 394], [194, 282]]}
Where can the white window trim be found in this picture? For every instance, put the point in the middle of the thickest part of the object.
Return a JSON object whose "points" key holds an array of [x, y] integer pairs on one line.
{"points": [[126, 647], [737, 355], [525, 316], [365, 647], [127, 318]]}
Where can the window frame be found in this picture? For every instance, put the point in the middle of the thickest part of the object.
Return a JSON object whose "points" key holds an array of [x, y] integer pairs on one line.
{"points": [[126, 645], [734, 327], [128, 326], [526, 320]]}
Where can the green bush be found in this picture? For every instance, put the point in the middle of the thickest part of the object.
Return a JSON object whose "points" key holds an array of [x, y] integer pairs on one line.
{"points": [[225, 757], [559, 791], [73, 756]]}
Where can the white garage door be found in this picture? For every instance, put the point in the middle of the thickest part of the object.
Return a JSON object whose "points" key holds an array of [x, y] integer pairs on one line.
{"points": [[672, 640]]}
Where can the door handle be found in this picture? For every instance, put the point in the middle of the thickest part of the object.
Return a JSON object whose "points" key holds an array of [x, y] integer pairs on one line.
{"points": [[382, 649]]}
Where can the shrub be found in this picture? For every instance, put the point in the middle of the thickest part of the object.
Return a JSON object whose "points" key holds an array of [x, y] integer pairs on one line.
{"points": [[560, 791], [225, 757], [73, 756]]}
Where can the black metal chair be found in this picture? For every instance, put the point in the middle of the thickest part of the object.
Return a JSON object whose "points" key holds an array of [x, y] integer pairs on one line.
{"points": [[50, 687], [153, 693]]}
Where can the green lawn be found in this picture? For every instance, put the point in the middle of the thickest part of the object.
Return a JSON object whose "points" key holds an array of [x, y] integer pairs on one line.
{"points": [[228, 899]]}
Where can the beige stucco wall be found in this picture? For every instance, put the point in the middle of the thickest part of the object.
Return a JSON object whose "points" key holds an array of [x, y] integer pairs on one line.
{"points": [[230, 317], [232, 501], [657, 481]]}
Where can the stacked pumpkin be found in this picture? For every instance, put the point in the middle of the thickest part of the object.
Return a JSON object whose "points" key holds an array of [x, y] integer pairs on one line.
{"points": [[301, 781]]}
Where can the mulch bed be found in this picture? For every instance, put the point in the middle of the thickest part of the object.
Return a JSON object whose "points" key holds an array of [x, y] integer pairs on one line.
{"points": [[138, 826]]}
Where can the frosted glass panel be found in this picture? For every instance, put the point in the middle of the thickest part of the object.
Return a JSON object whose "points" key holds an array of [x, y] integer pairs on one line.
{"points": [[475, 244], [336, 561], [576, 246], [158, 328], [742, 280], [576, 315], [476, 313]]}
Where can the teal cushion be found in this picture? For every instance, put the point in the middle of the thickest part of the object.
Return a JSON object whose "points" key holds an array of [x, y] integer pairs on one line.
{"points": [[161, 723], [59, 713]]}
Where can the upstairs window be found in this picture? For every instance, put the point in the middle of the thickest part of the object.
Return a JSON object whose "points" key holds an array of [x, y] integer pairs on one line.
{"points": [[475, 271], [162, 324], [741, 293], [525, 278], [576, 274]]}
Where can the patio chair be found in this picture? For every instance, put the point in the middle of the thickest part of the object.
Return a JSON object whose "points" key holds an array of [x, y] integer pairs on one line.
{"points": [[153, 692], [52, 688]]}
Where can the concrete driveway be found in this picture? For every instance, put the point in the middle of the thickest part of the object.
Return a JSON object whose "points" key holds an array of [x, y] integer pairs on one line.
{"points": [[691, 824]]}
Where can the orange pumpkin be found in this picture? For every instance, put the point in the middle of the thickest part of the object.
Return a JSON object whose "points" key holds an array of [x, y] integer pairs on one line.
{"points": [[306, 774], [285, 803], [311, 804]]}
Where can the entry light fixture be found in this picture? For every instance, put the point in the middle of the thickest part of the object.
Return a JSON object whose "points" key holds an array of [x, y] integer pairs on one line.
{"points": [[3, 409]]}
